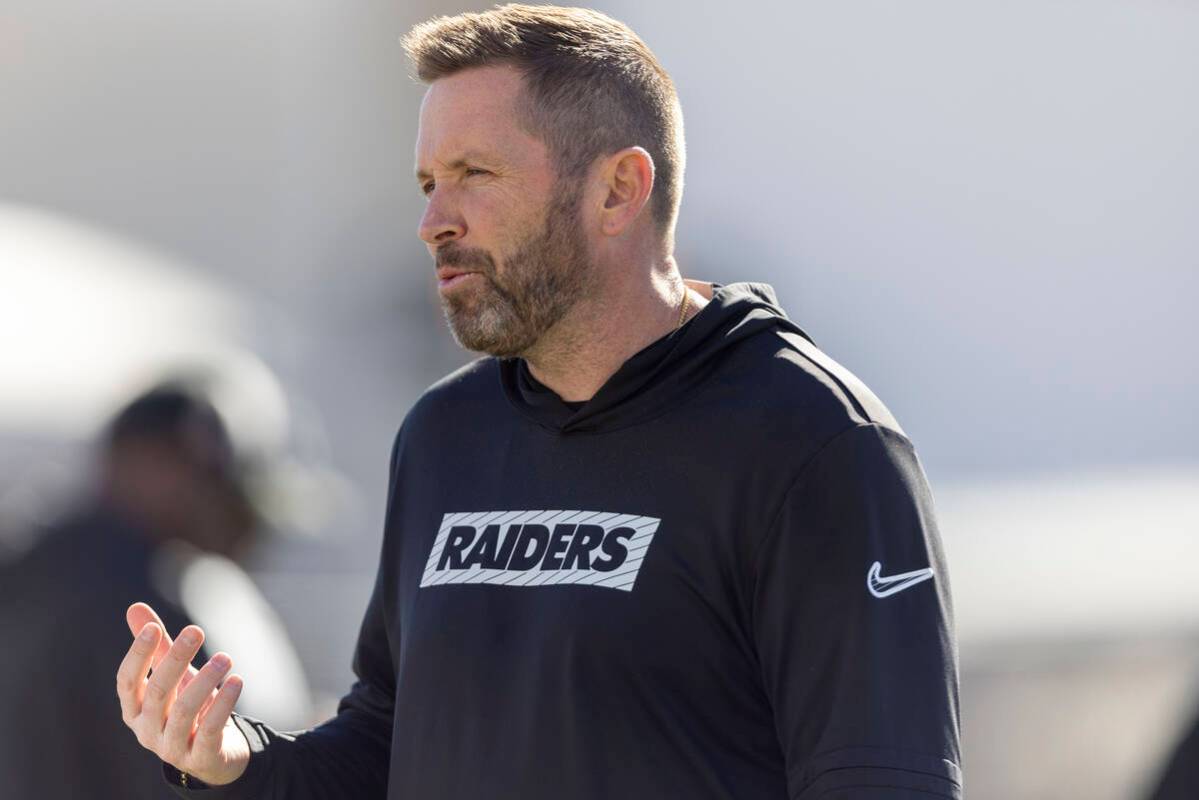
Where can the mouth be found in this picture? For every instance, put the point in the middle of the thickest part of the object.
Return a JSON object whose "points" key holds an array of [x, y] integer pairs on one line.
{"points": [[448, 277]]}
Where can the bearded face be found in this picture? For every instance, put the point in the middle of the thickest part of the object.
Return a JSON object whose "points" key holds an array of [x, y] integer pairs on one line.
{"points": [[508, 308]]}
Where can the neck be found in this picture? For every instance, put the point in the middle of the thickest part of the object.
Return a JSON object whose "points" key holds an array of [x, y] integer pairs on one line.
{"points": [[600, 333]]}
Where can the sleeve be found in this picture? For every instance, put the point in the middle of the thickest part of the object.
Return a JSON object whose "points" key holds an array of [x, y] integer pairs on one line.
{"points": [[1179, 778], [853, 625], [346, 756]]}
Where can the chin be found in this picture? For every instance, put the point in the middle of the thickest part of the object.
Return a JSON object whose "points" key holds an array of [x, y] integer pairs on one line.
{"points": [[474, 333]]}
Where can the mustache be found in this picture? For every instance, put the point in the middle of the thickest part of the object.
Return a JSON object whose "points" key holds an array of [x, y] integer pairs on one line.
{"points": [[464, 258]]}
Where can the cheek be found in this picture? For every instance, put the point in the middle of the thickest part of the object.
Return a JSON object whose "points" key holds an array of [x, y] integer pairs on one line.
{"points": [[498, 221], [480, 212]]}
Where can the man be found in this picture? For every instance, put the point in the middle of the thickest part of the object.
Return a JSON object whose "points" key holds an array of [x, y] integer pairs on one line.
{"points": [[165, 480], [656, 545]]}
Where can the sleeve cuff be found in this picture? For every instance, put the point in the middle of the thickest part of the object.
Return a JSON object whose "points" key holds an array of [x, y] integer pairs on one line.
{"points": [[865, 773]]}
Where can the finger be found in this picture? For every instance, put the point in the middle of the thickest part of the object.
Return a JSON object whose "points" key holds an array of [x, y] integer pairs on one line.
{"points": [[188, 677], [164, 682], [207, 705], [181, 721], [210, 732], [137, 615], [131, 674]]}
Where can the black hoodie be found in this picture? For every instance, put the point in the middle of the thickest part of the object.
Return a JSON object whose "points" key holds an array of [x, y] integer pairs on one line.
{"points": [[720, 577]]}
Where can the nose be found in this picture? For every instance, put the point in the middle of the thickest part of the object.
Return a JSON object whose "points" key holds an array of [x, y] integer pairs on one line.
{"points": [[441, 222]]}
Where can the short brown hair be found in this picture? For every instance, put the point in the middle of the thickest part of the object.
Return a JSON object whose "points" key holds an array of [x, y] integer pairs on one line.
{"points": [[592, 87]]}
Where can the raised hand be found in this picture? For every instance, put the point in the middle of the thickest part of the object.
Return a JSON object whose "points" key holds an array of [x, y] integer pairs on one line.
{"points": [[179, 713]]}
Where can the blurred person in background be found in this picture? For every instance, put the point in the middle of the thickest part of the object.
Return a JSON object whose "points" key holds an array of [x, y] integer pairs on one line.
{"points": [[750, 599], [167, 486]]}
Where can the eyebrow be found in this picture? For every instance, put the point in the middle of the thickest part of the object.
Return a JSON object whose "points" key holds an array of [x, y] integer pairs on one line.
{"points": [[470, 157]]}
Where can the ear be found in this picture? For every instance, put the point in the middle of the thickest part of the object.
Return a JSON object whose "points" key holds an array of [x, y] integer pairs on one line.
{"points": [[628, 178]]}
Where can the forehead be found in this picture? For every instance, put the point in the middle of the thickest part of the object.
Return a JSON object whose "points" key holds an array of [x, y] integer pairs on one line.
{"points": [[473, 112]]}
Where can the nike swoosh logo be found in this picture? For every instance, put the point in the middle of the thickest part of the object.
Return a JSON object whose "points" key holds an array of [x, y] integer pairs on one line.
{"points": [[881, 586]]}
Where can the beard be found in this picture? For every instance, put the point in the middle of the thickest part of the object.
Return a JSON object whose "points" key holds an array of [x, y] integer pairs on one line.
{"points": [[546, 274]]}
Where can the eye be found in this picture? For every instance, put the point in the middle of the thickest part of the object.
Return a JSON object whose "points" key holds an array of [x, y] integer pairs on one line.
{"points": [[475, 171], [426, 188]]}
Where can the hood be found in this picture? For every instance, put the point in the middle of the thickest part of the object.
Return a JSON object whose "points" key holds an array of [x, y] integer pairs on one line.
{"points": [[656, 377]]}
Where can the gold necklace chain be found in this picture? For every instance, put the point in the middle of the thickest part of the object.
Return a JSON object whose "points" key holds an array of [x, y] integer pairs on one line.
{"points": [[683, 310]]}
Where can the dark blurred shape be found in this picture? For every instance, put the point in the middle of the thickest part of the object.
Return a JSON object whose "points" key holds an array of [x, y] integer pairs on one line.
{"points": [[168, 462], [166, 474], [1180, 778]]}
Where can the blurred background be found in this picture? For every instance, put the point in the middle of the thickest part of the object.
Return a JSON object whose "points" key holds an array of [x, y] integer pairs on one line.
{"points": [[988, 212]]}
